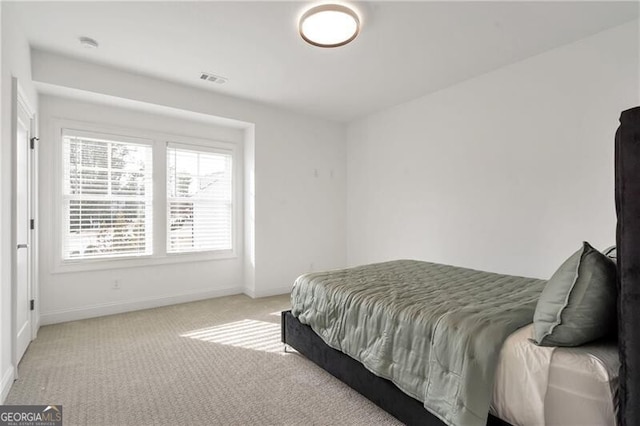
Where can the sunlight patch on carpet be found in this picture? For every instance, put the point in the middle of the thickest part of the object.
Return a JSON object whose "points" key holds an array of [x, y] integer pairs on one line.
{"points": [[247, 334]]}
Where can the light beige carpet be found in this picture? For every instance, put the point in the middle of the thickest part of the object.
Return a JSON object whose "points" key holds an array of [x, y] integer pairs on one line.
{"points": [[214, 362]]}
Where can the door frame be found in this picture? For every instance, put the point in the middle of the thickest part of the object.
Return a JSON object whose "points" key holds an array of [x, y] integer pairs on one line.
{"points": [[20, 100]]}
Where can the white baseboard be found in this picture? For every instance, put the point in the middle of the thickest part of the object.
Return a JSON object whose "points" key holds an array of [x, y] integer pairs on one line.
{"points": [[84, 312], [251, 292], [6, 382], [254, 294]]}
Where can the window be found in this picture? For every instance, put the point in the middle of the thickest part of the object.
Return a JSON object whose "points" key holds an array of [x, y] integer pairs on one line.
{"points": [[199, 199], [140, 200], [107, 197]]}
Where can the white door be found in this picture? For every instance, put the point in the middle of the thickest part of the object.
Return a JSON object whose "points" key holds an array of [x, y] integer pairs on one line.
{"points": [[22, 232]]}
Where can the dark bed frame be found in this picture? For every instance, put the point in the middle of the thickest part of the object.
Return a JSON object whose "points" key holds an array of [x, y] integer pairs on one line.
{"points": [[627, 197], [381, 391], [628, 243]]}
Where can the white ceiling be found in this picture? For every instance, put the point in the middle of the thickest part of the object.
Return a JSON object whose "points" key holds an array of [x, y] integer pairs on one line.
{"points": [[405, 49]]}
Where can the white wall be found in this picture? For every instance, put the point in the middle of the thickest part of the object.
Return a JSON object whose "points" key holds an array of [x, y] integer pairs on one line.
{"points": [[300, 218], [506, 172], [73, 295], [15, 63]]}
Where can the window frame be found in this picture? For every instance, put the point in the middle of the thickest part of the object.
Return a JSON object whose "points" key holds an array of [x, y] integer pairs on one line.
{"points": [[159, 142], [217, 148], [66, 132]]}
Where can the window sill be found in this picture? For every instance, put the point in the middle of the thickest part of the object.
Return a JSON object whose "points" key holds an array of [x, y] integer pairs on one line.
{"points": [[64, 267]]}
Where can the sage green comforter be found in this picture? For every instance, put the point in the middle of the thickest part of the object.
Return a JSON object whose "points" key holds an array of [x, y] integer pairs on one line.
{"points": [[434, 330]]}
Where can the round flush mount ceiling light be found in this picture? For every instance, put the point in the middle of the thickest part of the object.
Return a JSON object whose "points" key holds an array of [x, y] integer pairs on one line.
{"points": [[88, 43], [329, 25]]}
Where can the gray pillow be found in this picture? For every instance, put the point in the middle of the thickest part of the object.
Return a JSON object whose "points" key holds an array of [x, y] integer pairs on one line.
{"points": [[611, 253], [578, 304]]}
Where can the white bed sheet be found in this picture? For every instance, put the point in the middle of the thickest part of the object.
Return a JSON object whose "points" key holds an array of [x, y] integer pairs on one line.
{"points": [[538, 386]]}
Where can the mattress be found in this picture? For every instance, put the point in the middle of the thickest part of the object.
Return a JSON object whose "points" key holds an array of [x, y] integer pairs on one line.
{"points": [[537, 385]]}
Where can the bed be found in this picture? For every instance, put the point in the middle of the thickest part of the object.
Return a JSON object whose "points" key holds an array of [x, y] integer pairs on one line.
{"points": [[352, 338]]}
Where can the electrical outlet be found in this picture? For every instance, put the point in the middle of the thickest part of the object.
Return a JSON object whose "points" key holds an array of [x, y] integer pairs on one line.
{"points": [[116, 284]]}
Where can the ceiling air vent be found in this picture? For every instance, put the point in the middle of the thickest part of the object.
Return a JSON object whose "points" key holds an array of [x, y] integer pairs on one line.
{"points": [[212, 78]]}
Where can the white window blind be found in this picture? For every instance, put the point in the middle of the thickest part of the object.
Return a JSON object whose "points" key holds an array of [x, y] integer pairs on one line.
{"points": [[107, 197], [199, 197]]}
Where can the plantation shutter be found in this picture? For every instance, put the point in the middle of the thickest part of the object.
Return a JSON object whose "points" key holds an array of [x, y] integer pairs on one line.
{"points": [[199, 198], [107, 197]]}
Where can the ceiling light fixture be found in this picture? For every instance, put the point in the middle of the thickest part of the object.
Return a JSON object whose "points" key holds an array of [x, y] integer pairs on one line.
{"points": [[88, 43], [329, 25]]}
